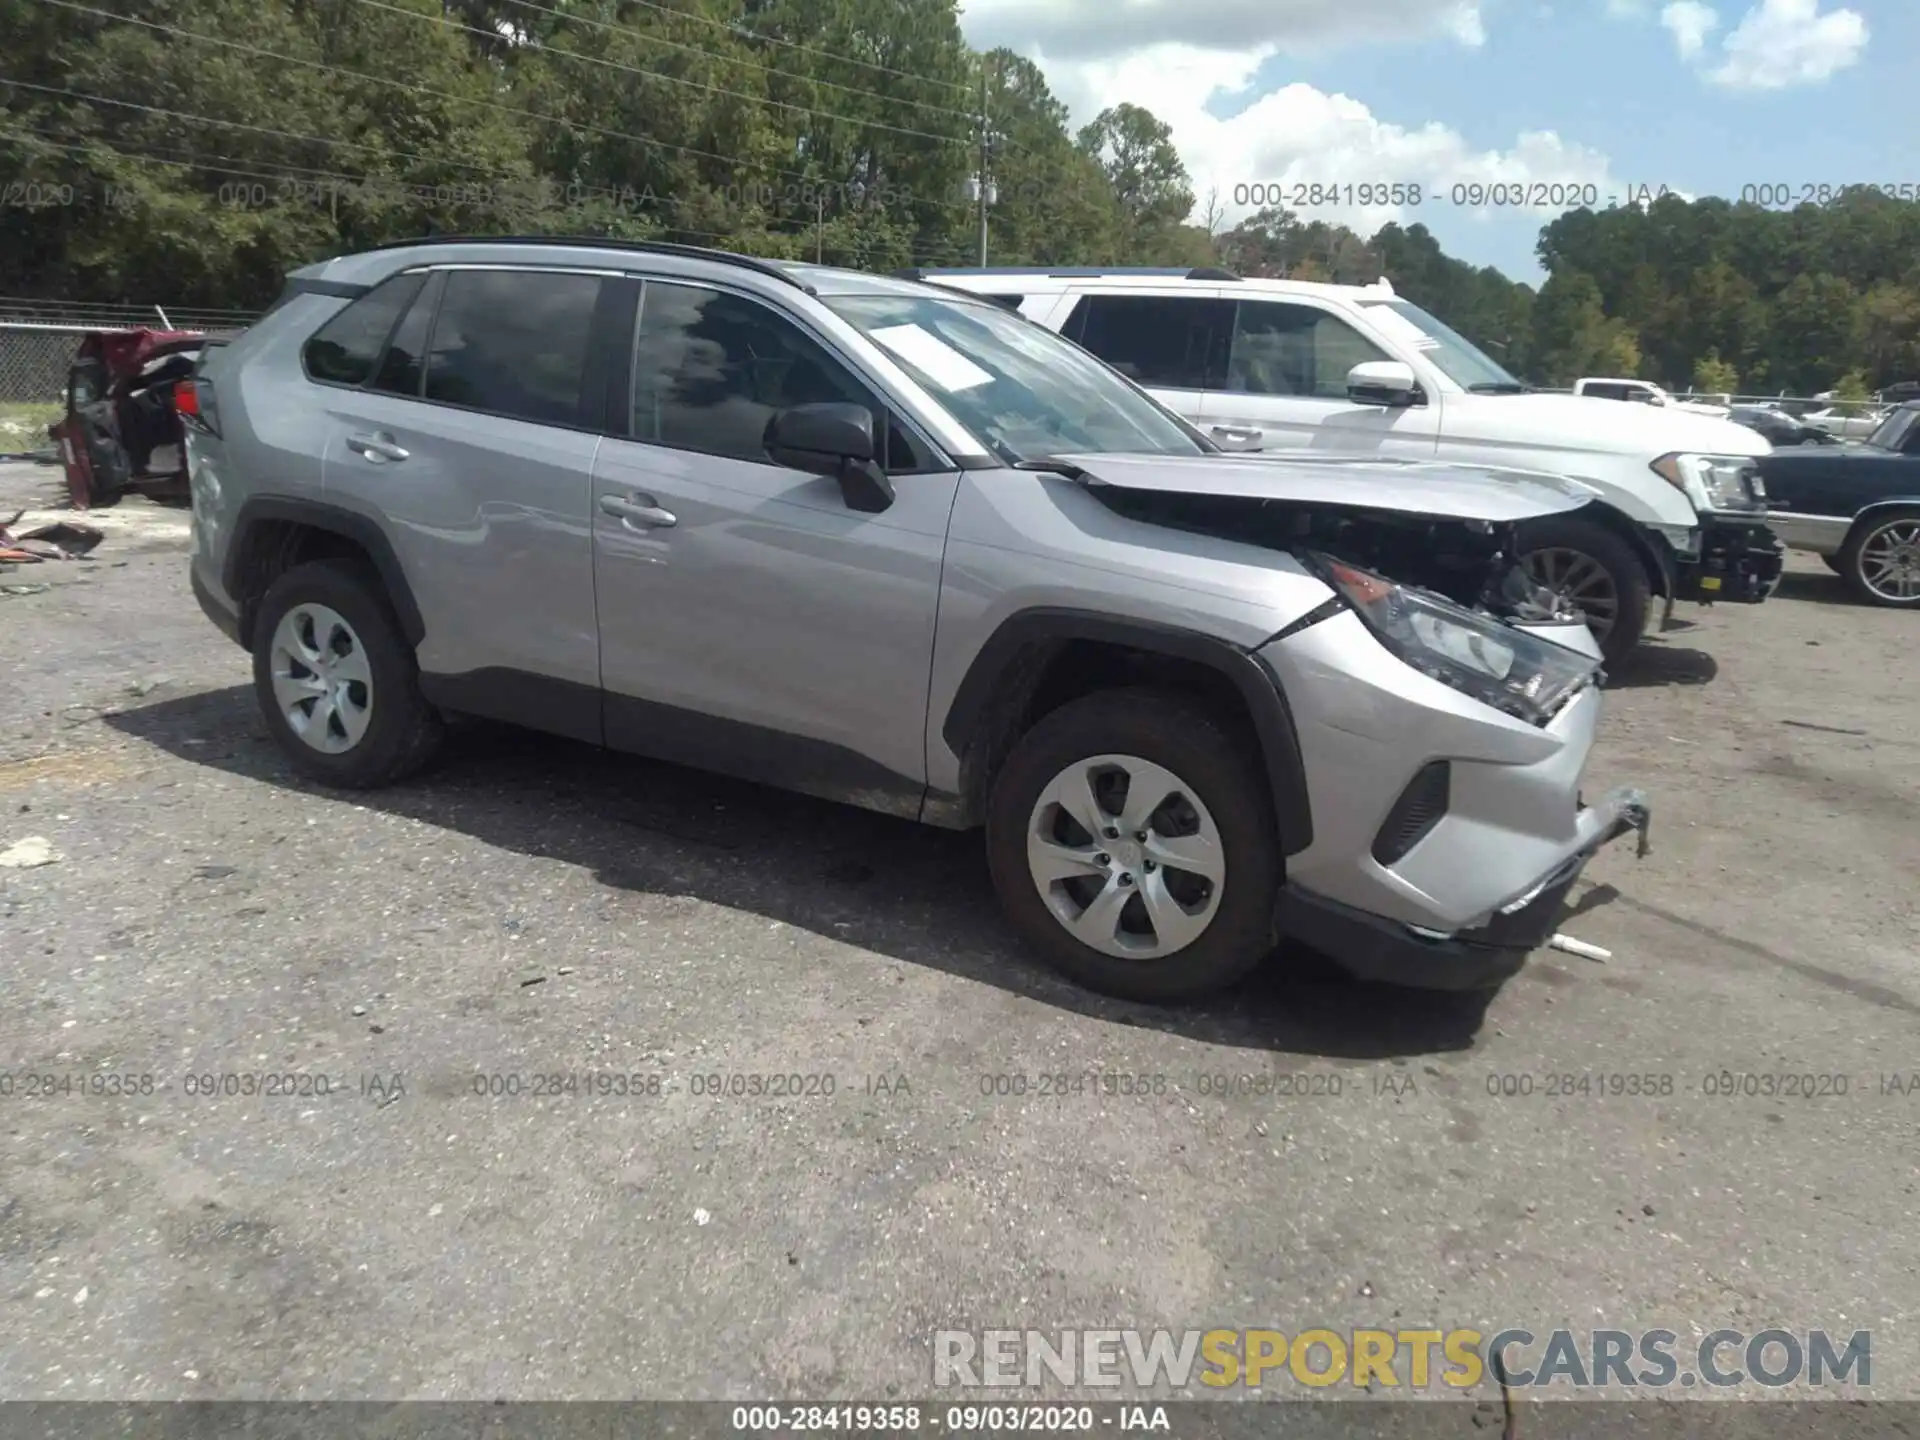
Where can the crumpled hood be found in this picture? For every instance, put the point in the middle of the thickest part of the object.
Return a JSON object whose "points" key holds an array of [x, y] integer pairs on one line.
{"points": [[1407, 487], [1582, 422]]}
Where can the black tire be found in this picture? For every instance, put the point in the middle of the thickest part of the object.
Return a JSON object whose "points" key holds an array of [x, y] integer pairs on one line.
{"points": [[1226, 774], [1850, 569], [1632, 587], [1832, 562], [403, 730]]}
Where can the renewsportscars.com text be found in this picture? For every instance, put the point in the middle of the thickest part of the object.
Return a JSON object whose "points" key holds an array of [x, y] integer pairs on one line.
{"points": [[1454, 1359]]}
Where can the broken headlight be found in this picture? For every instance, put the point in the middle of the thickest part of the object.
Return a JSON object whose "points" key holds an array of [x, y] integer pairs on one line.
{"points": [[1509, 669]]}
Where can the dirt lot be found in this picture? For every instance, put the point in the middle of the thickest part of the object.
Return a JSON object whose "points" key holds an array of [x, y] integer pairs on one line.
{"points": [[536, 907]]}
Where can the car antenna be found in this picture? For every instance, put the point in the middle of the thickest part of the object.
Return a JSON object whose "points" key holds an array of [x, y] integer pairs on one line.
{"points": [[165, 323]]}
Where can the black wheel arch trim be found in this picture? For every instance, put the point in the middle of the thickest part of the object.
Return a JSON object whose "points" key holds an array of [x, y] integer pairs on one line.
{"points": [[352, 525], [1874, 509], [997, 662]]}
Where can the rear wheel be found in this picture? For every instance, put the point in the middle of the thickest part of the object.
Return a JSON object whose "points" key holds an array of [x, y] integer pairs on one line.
{"points": [[1881, 560], [1832, 562], [1132, 845], [336, 680], [1597, 571]]}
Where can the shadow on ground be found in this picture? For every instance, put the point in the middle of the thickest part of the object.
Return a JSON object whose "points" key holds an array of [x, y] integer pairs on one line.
{"points": [[911, 892], [1657, 662], [1821, 589]]}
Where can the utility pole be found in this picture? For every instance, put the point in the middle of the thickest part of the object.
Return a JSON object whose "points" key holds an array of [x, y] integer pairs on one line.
{"points": [[819, 223], [984, 133]]}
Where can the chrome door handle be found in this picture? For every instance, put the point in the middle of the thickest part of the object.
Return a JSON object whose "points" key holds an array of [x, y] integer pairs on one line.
{"points": [[639, 512], [1235, 432], [376, 447]]}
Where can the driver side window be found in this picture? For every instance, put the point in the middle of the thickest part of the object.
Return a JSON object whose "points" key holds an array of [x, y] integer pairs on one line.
{"points": [[710, 369], [1299, 350]]}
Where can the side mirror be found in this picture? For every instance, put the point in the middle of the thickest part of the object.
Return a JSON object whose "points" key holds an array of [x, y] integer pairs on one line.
{"points": [[1383, 382], [835, 440]]}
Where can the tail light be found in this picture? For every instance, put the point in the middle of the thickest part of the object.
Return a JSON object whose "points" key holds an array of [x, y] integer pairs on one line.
{"points": [[193, 399]]}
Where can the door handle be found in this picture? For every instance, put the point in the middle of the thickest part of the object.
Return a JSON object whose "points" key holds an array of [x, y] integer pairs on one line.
{"points": [[639, 513], [1235, 432], [376, 447]]}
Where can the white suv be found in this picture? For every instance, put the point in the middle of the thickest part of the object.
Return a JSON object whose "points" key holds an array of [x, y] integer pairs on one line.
{"points": [[1281, 365]]}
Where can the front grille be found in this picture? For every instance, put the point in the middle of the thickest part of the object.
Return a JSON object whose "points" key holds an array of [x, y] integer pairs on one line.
{"points": [[1419, 808]]}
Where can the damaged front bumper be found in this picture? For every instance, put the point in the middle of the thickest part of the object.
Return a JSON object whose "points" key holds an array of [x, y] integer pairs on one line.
{"points": [[1740, 561], [1372, 947]]}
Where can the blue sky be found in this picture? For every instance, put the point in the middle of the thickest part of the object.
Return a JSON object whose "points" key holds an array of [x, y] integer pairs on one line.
{"points": [[1700, 97]]}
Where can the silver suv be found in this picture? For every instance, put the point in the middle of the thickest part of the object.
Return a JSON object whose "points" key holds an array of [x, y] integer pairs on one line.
{"points": [[882, 542]]}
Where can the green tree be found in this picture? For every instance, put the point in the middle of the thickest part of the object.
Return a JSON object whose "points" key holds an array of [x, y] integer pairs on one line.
{"points": [[1714, 376], [1149, 182], [1573, 335]]}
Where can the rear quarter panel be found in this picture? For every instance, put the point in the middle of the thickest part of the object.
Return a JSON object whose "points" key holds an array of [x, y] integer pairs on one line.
{"points": [[272, 436]]}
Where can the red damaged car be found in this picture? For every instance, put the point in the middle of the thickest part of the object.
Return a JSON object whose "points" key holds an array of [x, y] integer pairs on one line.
{"points": [[121, 434]]}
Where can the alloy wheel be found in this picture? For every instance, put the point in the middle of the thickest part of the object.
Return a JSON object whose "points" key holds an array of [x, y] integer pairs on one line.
{"points": [[1580, 580], [1890, 561], [322, 679], [1127, 858]]}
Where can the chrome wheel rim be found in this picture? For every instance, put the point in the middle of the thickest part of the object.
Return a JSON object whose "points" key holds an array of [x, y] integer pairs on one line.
{"points": [[1126, 857], [1890, 561], [322, 680], [1578, 580]]}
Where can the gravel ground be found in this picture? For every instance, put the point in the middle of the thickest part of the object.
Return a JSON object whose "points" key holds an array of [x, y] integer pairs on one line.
{"points": [[535, 907]]}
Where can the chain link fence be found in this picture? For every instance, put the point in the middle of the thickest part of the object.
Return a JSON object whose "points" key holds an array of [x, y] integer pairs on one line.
{"points": [[39, 338]]}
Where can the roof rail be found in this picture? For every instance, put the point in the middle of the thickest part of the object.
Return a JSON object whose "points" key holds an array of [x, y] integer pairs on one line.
{"points": [[1074, 272], [600, 242]]}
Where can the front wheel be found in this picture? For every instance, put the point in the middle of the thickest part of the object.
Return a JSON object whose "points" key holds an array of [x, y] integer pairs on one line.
{"points": [[1133, 845], [1598, 572], [1881, 560]]}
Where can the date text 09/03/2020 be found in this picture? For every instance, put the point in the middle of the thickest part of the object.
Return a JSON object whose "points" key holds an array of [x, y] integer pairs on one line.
{"points": [[1531, 195]]}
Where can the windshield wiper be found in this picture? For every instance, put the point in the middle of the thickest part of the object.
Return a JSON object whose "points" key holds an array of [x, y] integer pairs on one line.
{"points": [[1499, 387]]}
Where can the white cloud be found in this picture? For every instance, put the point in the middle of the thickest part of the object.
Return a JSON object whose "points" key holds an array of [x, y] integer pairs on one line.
{"points": [[1083, 30], [1789, 42], [1299, 135], [1691, 23]]}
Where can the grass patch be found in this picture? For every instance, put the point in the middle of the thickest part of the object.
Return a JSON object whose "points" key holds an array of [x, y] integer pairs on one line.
{"points": [[24, 427]]}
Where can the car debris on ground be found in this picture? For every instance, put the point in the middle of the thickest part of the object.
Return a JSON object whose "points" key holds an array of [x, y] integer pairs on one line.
{"points": [[62, 540]]}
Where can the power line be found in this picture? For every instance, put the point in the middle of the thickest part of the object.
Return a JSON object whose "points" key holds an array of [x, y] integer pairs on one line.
{"points": [[414, 89], [252, 129], [772, 70], [531, 190], [669, 79], [736, 31], [382, 184]]}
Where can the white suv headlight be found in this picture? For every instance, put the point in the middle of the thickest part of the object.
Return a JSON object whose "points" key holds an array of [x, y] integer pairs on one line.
{"points": [[1715, 482]]}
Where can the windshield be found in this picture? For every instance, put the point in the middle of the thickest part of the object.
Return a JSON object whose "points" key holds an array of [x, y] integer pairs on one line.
{"points": [[1025, 393], [1456, 357], [1891, 434]]}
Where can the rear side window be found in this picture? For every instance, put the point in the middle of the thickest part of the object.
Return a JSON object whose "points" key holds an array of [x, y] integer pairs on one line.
{"points": [[345, 349], [1169, 342], [403, 365], [515, 343]]}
